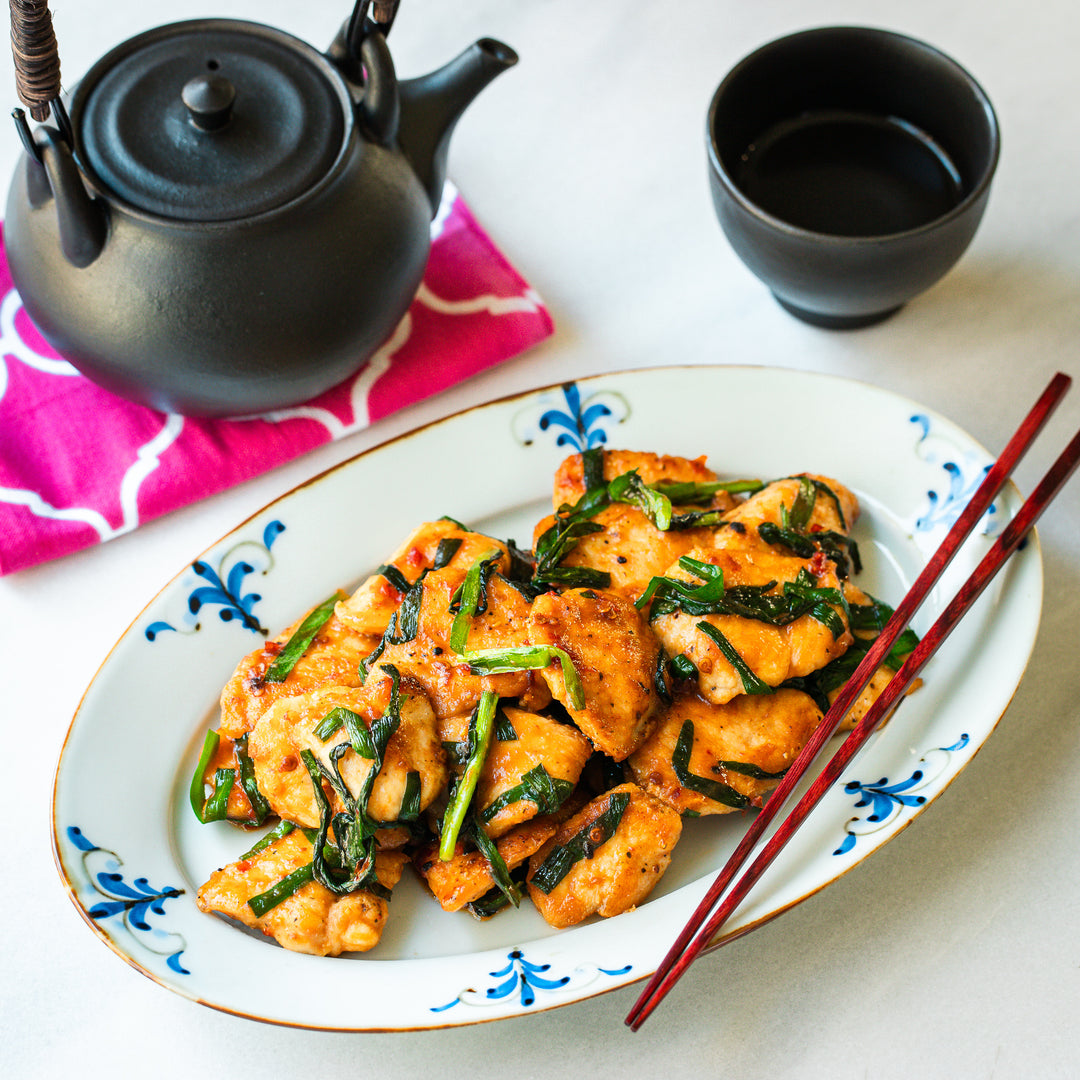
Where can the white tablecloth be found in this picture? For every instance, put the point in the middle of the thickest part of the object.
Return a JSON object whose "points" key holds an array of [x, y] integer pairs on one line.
{"points": [[955, 951]]}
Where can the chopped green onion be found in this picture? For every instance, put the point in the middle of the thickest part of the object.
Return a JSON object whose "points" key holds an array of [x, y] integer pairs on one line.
{"points": [[504, 729], [582, 845], [799, 543], [259, 806], [395, 577], [527, 658], [592, 467], [809, 489], [447, 549], [282, 890], [629, 488], [197, 790], [672, 594], [282, 828], [577, 577], [402, 627], [330, 724], [500, 874], [354, 830], [702, 785], [795, 599], [748, 768], [697, 519], [684, 667], [816, 602], [354, 849], [556, 542], [489, 905], [300, 641], [538, 786], [681, 492], [751, 684], [410, 799], [660, 678], [481, 726], [472, 599], [217, 806], [839, 547]]}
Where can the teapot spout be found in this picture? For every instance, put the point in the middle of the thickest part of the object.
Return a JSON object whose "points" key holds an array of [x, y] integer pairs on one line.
{"points": [[432, 104]]}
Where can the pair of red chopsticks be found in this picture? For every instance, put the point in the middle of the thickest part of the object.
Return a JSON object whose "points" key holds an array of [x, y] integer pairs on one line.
{"points": [[705, 922]]}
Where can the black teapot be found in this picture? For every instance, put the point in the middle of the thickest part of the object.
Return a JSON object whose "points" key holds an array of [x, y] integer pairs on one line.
{"points": [[225, 220]]}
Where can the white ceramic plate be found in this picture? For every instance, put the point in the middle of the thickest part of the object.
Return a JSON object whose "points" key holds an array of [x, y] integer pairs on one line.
{"points": [[132, 854]]}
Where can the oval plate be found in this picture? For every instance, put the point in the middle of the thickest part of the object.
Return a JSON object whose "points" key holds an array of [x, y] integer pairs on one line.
{"points": [[132, 854]]}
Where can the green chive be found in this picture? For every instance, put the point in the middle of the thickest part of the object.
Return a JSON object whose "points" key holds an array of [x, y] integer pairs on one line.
{"points": [[282, 828], [473, 597], [684, 667], [500, 874], [395, 577], [537, 786], [260, 808], [346, 841], [660, 678], [447, 549], [798, 543], [582, 845], [629, 488], [330, 724], [217, 806], [748, 768], [197, 790], [571, 524], [527, 658], [410, 799], [800, 597], [481, 727], [683, 492], [298, 644], [282, 890], [702, 785], [504, 729], [751, 684], [592, 468]]}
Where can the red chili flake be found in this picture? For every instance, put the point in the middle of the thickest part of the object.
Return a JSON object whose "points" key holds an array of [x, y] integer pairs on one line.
{"points": [[390, 592], [819, 563], [415, 557], [243, 866], [817, 528]]}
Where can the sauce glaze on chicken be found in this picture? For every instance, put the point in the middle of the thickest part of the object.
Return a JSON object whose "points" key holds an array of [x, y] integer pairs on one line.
{"points": [[536, 725]]}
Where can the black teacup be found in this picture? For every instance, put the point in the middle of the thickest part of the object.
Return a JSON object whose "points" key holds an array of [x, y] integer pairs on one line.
{"points": [[849, 168]]}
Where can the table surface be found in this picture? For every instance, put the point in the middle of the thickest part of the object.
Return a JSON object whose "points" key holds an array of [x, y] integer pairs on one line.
{"points": [[954, 952]]}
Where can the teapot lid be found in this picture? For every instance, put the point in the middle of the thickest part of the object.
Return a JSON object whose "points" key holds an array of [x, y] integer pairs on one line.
{"points": [[210, 120]]}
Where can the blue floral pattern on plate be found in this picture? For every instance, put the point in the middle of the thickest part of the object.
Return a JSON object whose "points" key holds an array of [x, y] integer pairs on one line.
{"points": [[964, 472], [223, 586], [577, 423], [132, 904], [526, 978], [887, 801]]}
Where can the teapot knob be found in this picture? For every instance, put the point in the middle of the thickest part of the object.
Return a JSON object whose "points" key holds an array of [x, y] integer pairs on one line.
{"points": [[209, 100]]}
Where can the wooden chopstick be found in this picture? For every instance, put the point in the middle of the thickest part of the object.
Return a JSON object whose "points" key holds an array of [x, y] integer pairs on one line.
{"points": [[682, 953]]}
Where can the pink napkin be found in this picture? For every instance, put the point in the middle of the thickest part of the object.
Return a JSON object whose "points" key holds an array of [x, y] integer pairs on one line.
{"points": [[79, 466]]}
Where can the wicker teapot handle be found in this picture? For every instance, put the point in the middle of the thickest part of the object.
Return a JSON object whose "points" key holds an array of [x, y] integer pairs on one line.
{"points": [[37, 60]]}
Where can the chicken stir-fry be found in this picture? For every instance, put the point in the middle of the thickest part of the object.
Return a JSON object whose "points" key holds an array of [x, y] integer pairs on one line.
{"points": [[535, 726]]}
